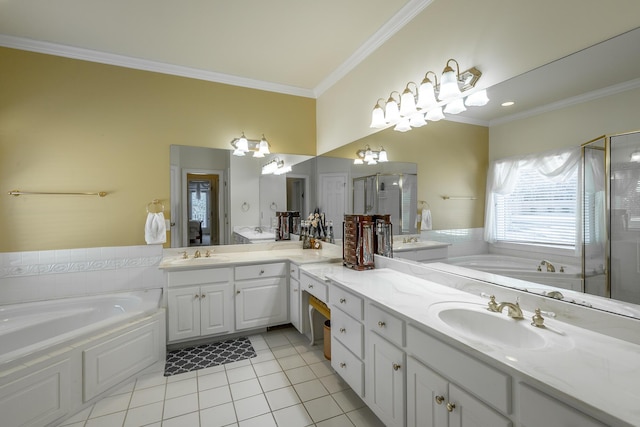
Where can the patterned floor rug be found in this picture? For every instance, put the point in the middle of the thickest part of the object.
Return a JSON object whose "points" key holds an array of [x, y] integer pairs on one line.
{"points": [[208, 355]]}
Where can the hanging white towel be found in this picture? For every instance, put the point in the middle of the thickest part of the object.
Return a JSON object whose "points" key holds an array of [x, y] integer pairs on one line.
{"points": [[155, 230], [425, 222]]}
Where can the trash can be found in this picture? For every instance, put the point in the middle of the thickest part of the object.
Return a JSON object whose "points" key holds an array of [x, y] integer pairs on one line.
{"points": [[327, 339]]}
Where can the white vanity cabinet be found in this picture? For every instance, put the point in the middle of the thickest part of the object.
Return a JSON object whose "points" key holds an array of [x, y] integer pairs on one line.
{"points": [[200, 303], [347, 339], [261, 297], [295, 314]]}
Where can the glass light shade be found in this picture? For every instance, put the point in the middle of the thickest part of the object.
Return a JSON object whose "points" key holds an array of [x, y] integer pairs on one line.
{"points": [[434, 114], [454, 107], [635, 156], [377, 118], [238, 152], [242, 144], [282, 170], [382, 156], [477, 99], [449, 85], [263, 148], [372, 162], [358, 162], [417, 120], [368, 155], [391, 111], [407, 103], [403, 125], [426, 95], [258, 154]]}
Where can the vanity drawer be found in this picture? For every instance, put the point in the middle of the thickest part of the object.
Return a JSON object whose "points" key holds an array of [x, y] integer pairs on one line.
{"points": [[347, 302], [348, 366], [348, 331], [261, 270], [196, 277], [315, 287], [486, 383], [294, 271], [385, 324]]}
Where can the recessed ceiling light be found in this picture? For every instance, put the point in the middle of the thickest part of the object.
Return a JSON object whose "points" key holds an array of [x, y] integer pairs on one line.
{"points": [[507, 103]]}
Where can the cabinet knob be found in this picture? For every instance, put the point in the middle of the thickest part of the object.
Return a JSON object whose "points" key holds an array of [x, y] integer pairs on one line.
{"points": [[197, 296], [342, 300], [261, 271], [202, 296], [343, 330], [451, 406], [382, 324], [343, 365], [396, 366], [310, 286], [237, 292], [439, 400], [295, 289]]}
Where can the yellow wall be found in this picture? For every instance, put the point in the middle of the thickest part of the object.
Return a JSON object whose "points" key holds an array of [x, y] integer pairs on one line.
{"points": [[68, 125], [452, 161]]}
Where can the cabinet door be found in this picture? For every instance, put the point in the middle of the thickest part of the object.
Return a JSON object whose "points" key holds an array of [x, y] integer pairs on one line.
{"points": [[261, 303], [467, 411], [385, 383], [427, 396], [294, 304], [183, 313], [216, 309]]}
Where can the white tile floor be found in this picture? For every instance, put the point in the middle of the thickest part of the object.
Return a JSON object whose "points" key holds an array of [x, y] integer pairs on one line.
{"points": [[288, 384]]}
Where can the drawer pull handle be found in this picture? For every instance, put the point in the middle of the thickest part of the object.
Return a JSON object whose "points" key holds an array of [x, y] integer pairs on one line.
{"points": [[343, 365], [310, 286], [202, 296], [261, 271], [237, 292], [439, 400], [343, 330], [197, 296], [382, 324], [451, 406], [342, 300], [396, 366]]}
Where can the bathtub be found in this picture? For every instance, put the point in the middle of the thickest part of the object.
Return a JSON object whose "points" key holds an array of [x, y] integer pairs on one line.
{"points": [[523, 269], [58, 356]]}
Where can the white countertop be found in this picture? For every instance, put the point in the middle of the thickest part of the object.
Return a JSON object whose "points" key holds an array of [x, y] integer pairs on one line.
{"points": [[591, 369], [399, 246], [247, 254]]}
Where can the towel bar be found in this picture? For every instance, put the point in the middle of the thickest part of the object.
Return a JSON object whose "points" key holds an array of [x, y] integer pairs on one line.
{"points": [[24, 193]]}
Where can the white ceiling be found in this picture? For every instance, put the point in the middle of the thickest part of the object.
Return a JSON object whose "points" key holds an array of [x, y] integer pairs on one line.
{"points": [[299, 47]]}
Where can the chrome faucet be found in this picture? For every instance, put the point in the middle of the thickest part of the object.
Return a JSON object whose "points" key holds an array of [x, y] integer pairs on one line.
{"points": [[550, 267]]}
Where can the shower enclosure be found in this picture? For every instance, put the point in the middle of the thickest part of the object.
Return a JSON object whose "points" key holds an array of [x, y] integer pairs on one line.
{"points": [[388, 193], [611, 216]]}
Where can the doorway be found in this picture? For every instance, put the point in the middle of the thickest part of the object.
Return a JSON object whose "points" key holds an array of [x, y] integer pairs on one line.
{"points": [[203, 212], [297, 194]]}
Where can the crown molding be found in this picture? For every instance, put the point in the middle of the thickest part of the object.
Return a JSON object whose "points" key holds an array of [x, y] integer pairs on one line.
{"points": [[147, 65], [391, 27], [568, 102]]}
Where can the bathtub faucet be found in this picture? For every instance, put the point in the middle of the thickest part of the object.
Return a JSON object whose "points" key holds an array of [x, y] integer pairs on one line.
{"points": [[550, 267]]}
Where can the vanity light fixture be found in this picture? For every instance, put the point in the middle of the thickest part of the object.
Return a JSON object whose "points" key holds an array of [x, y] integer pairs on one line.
{"points": [[242, 145], [419, 104], [370, 157], [275, 167]]}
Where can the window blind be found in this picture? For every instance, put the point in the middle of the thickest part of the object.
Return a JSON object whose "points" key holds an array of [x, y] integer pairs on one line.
{"points": [[538, 211]]}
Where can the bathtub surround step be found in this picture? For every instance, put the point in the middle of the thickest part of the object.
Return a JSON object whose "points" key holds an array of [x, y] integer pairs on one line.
{"points": [[208, 355]]}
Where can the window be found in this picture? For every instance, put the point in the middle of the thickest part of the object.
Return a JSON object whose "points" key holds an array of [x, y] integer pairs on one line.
{"points": [[534, 199], [538, 210]]}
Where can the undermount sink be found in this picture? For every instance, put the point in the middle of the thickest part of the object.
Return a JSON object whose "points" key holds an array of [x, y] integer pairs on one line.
{"points": [[476, 323]]}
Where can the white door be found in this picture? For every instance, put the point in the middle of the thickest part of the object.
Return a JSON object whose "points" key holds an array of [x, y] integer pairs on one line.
{"points": [[216, 306], [184, 313], [467, 411], [385, 380], [261, 302], [333, 199], [294, 304], [427, 396]]}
